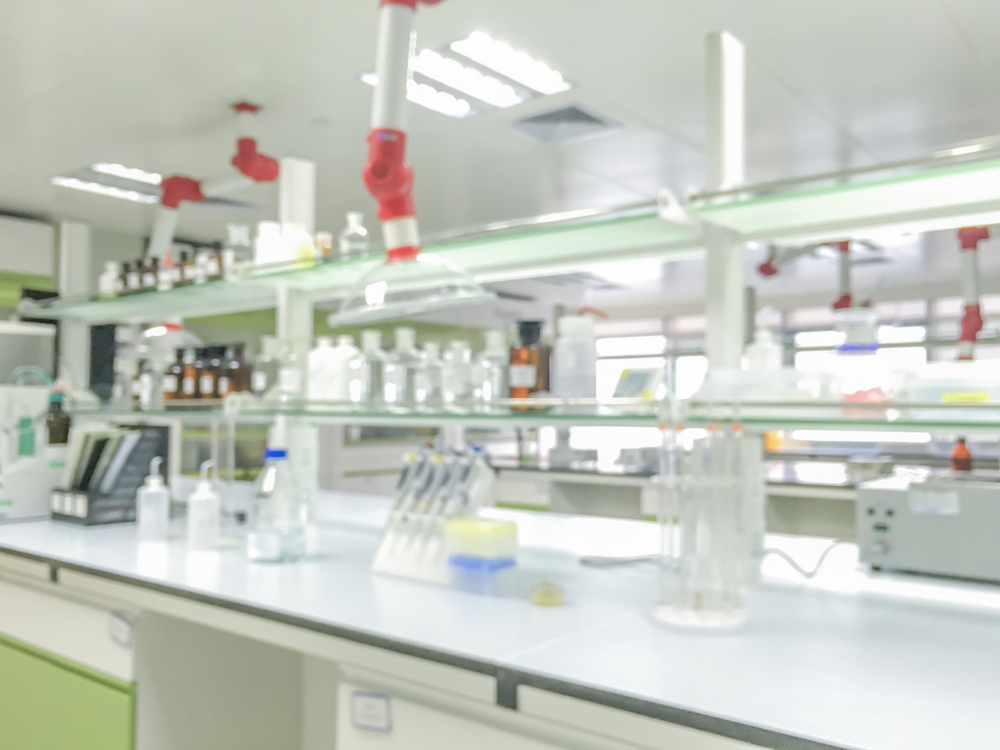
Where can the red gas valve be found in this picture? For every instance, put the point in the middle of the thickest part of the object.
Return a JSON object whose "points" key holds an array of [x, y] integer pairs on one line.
{"points": [[388, 175], [177, 188], [254, 164]]}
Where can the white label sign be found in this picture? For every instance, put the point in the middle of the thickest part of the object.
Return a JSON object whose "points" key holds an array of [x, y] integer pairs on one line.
{"points": [[931, 503], [371, 711]]}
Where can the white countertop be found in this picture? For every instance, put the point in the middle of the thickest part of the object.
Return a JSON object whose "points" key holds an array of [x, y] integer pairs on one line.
{"points": [[849, 659]]}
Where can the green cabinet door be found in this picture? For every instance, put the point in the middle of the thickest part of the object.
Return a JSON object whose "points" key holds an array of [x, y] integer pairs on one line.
{"points": [[49, 703]]}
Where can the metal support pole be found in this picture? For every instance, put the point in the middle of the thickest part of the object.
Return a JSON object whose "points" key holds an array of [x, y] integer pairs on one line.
{"points": [[74, 281], [725, 159]]}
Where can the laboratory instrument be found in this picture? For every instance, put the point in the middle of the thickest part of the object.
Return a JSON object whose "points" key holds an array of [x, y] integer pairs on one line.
{"points": [[712, 520], [434, 487], [944, 524]]}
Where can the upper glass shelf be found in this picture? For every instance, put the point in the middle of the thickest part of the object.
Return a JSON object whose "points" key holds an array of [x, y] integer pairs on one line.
{"points": [[490, 256]]}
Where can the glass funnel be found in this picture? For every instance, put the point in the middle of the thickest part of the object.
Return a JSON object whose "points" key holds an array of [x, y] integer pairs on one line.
{"points": [[401, 288]]}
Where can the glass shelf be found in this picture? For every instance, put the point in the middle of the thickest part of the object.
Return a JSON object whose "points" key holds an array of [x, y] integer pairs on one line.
{"points": [[930, 199], [488, 257], [758, 416], [539, 413]]}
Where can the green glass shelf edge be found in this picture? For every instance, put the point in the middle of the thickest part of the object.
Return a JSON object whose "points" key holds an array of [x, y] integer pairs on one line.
{"points": [[932, 198], [766, 424]]}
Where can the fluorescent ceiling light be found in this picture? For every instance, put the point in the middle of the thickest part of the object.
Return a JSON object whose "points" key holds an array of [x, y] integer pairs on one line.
{"points": [[462, 78], [518, 66], [963, 150], [111, 192], [428, 96], [128, 173]]}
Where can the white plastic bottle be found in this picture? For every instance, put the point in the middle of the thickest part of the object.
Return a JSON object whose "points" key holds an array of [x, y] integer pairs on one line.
{"points": [[368, 371], [152, 504], [321, 364], [492, 369], [764, 353], [110, 284], [402, 370], [339, 377], [354, 238], [574, 371], [204, 513], [278, 512]]}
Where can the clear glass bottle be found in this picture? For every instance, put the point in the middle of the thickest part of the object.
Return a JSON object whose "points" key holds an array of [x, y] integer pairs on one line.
{"points": [[278, 512], [456, 375], [266, 366], [402, 370], [57, 421], [368, 371], [293, 373], [173, 378], [237, 371], [354, 238], [429, 384], [492, 367]]}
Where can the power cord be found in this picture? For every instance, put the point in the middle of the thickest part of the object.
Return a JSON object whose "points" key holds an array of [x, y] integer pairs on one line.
{"points": [[819, 563]]}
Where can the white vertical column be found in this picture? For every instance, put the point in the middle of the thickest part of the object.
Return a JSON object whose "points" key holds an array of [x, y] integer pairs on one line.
{"points": [[74, 281], [725, 159], [297, 194]]}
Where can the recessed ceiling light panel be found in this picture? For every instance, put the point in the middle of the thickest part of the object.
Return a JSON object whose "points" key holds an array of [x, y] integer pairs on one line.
{"points": [[465, 79], [505, 60], [127, 173], [106, 190]]}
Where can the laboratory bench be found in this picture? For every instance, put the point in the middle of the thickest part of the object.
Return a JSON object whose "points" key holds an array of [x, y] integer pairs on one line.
{"points": [[210, 650]]}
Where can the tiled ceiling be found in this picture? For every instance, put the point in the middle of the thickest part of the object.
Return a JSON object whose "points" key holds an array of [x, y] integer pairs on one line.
{"points": [[147, 84]]}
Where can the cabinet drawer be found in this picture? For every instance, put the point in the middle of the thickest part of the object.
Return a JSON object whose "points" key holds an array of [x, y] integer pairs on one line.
{"points": [[49, 704]]}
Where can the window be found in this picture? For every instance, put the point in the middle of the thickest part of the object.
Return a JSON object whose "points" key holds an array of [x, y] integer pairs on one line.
{"points": [[901, 334], [815, 339], [631, 346]]}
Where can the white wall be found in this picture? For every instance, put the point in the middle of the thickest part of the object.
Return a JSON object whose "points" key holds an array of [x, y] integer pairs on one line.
{"points": [[27, 246]]}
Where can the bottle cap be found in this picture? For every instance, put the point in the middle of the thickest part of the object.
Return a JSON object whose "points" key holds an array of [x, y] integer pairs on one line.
{"points": [[529, 331], [154, 480], [56, 397], [406, 338], [324, 341], [345, 341], [275, 454], [432, 349], [371, 340], [205, 483]]}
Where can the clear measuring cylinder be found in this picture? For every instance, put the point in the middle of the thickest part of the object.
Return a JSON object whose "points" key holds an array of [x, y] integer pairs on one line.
{"points": [[712, 521]]}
